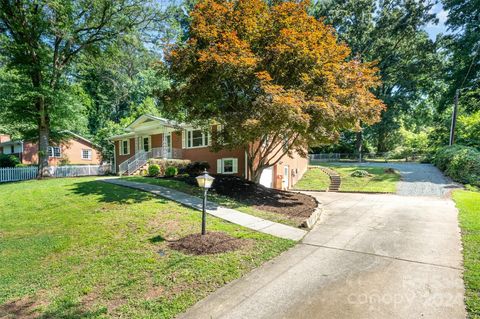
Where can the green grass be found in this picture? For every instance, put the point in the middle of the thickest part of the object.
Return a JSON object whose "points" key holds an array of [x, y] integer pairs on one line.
{"points": [[468, 204], [221, 200], [379, 181], [80, 248], [314, 179]]}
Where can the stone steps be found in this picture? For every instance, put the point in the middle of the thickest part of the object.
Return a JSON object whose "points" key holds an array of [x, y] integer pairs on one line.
{"points": [[335, 180]]}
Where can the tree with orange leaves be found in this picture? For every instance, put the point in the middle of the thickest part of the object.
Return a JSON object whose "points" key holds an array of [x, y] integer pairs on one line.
{"points": [[274, 77]]}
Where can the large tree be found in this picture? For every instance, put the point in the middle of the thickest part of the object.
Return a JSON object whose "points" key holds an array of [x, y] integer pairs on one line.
{"points": [[392, 33], [40, 40], [273, 76]]}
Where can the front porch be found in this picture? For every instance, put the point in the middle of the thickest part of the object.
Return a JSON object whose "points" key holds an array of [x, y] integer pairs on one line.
{"points": [[148, 137]]}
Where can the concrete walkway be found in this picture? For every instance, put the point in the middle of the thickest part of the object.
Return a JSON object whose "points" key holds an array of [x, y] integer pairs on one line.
{"points": [[371, 256], [231, 215]]}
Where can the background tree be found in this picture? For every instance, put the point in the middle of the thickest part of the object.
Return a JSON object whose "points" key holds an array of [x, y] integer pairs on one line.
{"points": [[40, 40], [391, 32], [276, 78]]}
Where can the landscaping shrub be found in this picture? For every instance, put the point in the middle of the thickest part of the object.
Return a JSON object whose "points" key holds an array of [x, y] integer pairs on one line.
{"points": [[164, 163], [360, 173], [196, 168], [461, 163], [153, 170], [8, 160], [171, 171]]}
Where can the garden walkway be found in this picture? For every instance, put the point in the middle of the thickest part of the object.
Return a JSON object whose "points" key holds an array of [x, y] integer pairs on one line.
{"points": [[231, 215]]}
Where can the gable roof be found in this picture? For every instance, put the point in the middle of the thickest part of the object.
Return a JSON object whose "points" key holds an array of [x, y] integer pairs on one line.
{"points": [[66, 131], [151, 118]]}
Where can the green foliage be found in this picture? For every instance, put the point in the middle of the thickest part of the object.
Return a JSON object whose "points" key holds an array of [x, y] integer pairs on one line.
{"points": [[153, 170], [8, 160], [461, 163], [360, 173], [411, 65], [468, 132], [171, 171], [197, 168]]}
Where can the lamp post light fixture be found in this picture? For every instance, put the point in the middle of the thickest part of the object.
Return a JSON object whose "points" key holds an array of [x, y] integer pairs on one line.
{"points": [[204, 181]]}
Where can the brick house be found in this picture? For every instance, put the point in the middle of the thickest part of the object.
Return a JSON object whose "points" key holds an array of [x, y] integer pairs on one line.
{"points": [[153, 137], [77, 150]]}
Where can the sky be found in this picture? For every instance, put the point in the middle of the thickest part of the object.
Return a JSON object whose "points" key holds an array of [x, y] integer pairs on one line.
{"points": [[433, 29]]}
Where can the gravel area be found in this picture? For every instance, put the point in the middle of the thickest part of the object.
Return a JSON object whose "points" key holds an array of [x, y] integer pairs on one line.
{"points": [[417, 179]]}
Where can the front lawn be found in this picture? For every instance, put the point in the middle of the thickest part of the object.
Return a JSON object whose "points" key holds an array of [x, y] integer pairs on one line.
{"points": [[379, 180], [77, 247], [468, 204]]}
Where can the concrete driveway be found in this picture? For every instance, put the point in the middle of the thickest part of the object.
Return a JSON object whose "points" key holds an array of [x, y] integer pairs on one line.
{"points": [[370, 256]]}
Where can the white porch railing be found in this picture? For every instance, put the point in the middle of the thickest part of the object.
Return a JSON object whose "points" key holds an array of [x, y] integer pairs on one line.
{"points": [[141, 158]]}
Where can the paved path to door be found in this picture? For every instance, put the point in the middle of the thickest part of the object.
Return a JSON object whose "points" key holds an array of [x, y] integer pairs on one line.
{"points": [[231, 215], [370, 256]]}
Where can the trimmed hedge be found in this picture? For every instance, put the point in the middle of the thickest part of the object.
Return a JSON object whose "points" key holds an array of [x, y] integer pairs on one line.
{"points": [[461, 163]]}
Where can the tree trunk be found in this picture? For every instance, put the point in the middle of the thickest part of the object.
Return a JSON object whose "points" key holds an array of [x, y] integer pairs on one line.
{"points": [[43, 137], [359, 144]]}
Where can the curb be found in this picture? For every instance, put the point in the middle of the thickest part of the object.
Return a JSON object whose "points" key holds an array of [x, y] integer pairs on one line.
{"points": [[315, 216]]}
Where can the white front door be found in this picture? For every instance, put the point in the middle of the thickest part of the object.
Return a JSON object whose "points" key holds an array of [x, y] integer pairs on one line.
{"points": [[285, 179], [266, 179], [167, 145]]}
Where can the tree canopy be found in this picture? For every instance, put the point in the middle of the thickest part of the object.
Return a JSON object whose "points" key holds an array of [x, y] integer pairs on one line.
{"points": [[269, 73]]}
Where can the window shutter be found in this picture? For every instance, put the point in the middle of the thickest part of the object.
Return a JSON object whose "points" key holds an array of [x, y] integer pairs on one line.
{"points": [[183, 138], [235, 165], [219, 166], [128, 147], [209, 139]]}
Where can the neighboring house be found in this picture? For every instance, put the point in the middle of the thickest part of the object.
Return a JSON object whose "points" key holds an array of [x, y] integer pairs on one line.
{"points": [[77, 150], [153, 137]]}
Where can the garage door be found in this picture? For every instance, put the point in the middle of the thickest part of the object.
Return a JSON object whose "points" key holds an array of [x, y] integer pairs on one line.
{"points": [[267, 177]]}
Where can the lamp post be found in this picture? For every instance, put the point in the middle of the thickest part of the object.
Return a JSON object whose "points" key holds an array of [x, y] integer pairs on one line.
{"points": [[204, 181]]}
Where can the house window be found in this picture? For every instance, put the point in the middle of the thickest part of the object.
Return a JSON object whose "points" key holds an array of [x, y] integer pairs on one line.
{"points": [[124, 147], [86, 154], [227, 166], [54, 151], [197, 138], [12, 149], [146, 144]]}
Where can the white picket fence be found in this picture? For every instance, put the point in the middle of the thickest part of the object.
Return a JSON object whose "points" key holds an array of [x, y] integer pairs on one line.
{"points": [[26, 173]]}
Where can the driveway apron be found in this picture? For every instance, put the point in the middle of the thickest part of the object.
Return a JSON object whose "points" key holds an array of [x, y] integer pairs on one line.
{"points": [[370, 256]]}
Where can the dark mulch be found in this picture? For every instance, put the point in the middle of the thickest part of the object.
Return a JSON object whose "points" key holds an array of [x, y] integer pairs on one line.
{"points": [[211, 243], [294, 205]]}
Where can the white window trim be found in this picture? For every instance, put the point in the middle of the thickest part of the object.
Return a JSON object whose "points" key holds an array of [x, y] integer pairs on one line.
{"points": [[221, 165], [186, 134], [141, 147], [120, 151], [89, 150], [53, 151]]}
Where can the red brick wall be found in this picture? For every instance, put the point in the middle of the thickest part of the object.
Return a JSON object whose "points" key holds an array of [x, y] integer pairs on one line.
{"points": [[121, 158], [71, 153]]}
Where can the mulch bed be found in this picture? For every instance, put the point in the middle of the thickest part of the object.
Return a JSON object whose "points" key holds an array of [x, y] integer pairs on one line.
{"points": [[293, 205], [210, 243]]}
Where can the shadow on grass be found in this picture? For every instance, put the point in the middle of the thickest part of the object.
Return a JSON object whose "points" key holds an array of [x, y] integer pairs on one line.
{"points": [[27, 307], [110, 193]]}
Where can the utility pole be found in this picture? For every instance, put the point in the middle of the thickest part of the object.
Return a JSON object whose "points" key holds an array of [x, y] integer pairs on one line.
{"points": [[454, 118]]}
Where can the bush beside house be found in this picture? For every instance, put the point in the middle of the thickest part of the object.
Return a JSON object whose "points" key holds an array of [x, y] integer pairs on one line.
{"points": [[8, 160], [461, 163]]}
